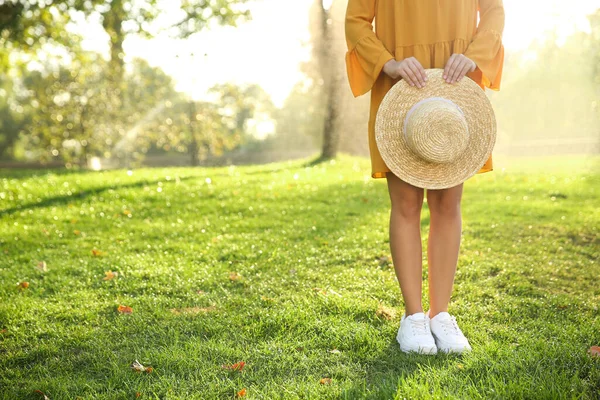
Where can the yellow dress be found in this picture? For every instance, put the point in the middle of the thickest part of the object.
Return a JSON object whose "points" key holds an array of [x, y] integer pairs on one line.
{"points": [[429, 30]]}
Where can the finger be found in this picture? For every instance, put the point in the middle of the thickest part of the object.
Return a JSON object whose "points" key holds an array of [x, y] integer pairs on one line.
{"points": [[405, 76], [448, 66], [456, 66], [415, 70], [420, 71], [413, 79], [464, 71], [461, 69]]}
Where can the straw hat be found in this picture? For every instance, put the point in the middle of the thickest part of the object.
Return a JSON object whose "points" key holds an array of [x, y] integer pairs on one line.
{"points": [[438, 136]]}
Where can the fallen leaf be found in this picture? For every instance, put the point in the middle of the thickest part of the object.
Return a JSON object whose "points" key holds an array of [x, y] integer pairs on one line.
{"points": [[266, 298], [42, 394], [594, 351], [238, 366], [137, 366], [241, 393], [96, 253], [125, 309], [23, 285], [325, 381], [109, 275], [319, 290], [384, 261], [137, 394], [334, 351], [42, 266], [385, 312], [192, 310], [234, 276], [3, 330], [149, 369]]}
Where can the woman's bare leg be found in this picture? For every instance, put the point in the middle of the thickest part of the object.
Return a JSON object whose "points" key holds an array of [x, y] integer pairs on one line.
{"points": [[405, 240], [443, 245]]}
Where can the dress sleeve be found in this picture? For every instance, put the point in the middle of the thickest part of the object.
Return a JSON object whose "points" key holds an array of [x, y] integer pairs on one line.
{"points": [[486, 48], [366, 54]]}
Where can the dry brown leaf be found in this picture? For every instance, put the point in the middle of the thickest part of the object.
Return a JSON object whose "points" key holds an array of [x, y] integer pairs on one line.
{"points": [[137, 394], [42, 266], [385, 312], [42, 394], [137, 366], [192, 310], [319, 290], [96, 253], [241, 393], [23, 285], [109, 275], [238, 366], [125, 309], [325, 381], [3, 330], [594, 351], [234, 276]]}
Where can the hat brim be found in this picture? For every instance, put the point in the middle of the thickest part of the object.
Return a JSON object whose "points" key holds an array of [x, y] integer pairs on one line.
{"points": [[405, 164]]}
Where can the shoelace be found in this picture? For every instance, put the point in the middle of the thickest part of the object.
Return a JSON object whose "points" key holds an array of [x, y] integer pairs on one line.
{"points": [[451, 324], [419, 326]]}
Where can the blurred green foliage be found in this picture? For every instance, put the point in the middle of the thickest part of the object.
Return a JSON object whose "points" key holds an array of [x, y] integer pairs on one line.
{"points": [[61, 103]]}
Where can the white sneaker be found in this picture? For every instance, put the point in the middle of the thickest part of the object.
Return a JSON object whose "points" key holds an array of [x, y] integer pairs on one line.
{"points": [[414, 334], [448, 336]]}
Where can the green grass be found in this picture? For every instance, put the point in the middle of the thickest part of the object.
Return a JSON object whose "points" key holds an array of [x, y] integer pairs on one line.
{"points": [[309, 244]]}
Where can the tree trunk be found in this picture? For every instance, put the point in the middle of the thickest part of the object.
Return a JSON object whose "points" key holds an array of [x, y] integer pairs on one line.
{"points": [[193, 148], [329, 71], [113, 25]]}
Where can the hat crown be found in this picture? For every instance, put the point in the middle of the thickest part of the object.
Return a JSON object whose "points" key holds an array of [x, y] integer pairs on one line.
{"points": [[436, 130]]}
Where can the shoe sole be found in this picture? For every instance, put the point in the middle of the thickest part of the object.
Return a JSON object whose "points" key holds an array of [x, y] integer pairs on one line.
{"points": [[450, 349], [418, 349]]}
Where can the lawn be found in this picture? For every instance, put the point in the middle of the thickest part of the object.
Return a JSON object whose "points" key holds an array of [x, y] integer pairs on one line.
{"points": [[285, 267]]}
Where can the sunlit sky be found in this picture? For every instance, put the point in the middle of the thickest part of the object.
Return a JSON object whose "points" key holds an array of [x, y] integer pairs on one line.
{"points": [[267, 50]]}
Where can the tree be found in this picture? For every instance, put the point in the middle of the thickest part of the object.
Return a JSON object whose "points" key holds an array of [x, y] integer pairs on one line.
{"points": [[28, 23], [323, 38]]}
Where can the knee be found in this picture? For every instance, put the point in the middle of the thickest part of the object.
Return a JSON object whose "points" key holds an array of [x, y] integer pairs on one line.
{"points": [[444, 206], [407, 206]]}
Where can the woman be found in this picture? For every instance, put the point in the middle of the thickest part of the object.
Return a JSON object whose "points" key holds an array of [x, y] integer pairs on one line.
{"points": [[411, 35]]}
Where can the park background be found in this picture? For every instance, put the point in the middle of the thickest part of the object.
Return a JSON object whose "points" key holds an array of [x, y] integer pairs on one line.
{"points": [[186, 210]]}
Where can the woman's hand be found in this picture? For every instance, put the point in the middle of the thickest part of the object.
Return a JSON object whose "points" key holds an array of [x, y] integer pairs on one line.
{"points": [[410, 69], [457, 67]]}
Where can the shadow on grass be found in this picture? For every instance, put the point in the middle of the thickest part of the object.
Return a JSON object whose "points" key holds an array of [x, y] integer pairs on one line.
{"points": [[384, 374], [65, 199]]}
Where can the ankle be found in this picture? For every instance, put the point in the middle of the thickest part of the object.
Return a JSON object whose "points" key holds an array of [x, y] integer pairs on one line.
{"points": [[408, 312], [433, 313]]}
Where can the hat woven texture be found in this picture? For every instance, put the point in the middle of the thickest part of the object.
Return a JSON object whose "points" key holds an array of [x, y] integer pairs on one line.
{"points": [[438, 136]]}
